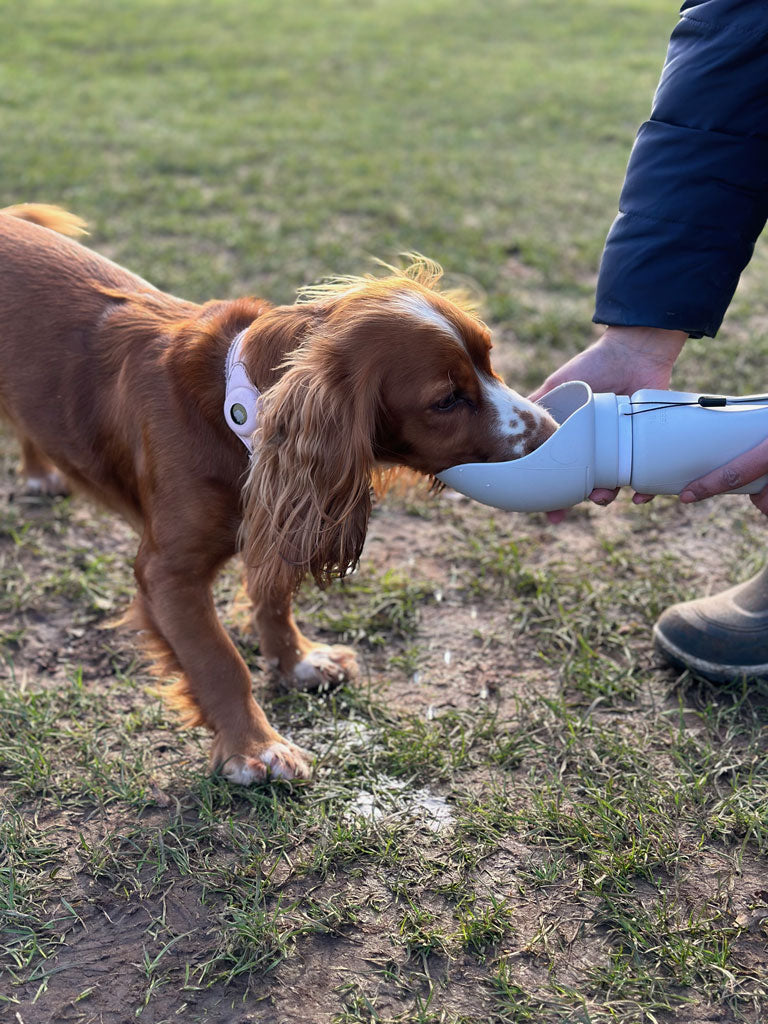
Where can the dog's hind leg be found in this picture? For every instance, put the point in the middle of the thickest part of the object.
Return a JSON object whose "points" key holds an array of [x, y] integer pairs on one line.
{"points": [[38, 472]]}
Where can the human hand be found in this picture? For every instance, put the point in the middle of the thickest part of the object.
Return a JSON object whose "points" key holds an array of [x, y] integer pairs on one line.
{"points": [[734, 474], [622, 361]]}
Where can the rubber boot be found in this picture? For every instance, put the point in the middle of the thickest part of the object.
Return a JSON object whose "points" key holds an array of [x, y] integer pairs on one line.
{"points": [[723, 637]]}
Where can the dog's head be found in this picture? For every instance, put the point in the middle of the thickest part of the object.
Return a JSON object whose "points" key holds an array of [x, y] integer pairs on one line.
{"points": [[390, 373]]}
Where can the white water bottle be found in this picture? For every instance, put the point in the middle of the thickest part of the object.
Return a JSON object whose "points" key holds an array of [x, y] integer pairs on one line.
{"points": [[654, 441]]}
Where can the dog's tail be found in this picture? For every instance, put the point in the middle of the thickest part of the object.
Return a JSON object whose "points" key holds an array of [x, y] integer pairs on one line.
{"points": [[53, 217]]}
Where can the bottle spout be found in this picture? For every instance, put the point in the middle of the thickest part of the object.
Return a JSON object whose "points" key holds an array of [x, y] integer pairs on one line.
{"points": [[560, 473]]}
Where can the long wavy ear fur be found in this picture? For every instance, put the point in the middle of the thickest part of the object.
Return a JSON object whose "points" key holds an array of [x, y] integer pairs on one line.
{"points": [[308, 496]]}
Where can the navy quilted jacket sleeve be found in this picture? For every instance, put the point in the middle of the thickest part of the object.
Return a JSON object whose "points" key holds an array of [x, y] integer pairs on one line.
{"points": [[695, 196]]}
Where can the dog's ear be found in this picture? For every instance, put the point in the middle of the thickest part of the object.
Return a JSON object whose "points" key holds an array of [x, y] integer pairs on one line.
{"points": [[308, 496]]}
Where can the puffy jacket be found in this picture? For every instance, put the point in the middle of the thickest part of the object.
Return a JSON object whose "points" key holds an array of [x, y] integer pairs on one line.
{"points": [[695, 196]]}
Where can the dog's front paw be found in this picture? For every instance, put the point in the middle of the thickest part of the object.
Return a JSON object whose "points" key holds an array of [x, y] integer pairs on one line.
{"points": [[277, 760], [322, 668]]}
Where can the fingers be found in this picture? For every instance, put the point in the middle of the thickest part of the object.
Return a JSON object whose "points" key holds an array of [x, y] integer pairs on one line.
{"points": [[760, 500], [554, 380], [734, 474], [557, 516], [544, 389], [600, 496], [603, 495]]}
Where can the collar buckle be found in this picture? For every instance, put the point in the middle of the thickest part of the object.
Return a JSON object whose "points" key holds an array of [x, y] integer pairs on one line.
{"points": [[242, 398]]}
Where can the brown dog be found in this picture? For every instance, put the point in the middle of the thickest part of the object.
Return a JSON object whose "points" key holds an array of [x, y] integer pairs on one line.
{"points": [[119, 390]]}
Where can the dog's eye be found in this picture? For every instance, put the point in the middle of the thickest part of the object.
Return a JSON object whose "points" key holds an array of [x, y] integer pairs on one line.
{"points": [[448, 403]]}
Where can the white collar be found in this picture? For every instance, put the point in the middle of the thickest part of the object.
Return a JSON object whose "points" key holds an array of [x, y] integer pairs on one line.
{"points": [[241, 402]]}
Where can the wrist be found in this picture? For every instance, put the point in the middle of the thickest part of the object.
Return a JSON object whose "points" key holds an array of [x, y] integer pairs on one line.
{"points": [[654, 343]]}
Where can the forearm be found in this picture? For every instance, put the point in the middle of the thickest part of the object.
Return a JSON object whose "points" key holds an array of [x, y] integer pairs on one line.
{"points": [[695, 196]]}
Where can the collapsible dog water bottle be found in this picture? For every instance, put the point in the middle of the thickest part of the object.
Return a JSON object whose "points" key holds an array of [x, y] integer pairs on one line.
{"points": [[654, 441]]}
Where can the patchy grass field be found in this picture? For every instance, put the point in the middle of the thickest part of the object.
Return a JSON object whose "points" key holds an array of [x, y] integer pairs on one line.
{"points": [[519, 815]]}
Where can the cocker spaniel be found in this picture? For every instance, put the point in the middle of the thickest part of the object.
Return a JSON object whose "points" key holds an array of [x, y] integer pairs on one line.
{"points": [[238, 426]]}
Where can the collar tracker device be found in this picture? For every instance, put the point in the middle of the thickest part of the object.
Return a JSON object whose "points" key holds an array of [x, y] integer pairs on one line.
{"points": [[655, 441], [241, 401]]}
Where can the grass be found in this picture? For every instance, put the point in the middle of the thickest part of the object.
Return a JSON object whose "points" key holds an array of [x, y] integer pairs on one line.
{"points": [[518, 815], [370, 609]]}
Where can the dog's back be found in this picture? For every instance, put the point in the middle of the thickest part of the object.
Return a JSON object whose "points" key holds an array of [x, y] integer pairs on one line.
{"points": [[60, 360], [44, 266]]}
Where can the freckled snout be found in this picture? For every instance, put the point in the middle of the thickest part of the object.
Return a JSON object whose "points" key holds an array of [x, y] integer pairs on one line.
{"points": [[539, 426], [522, 425]]}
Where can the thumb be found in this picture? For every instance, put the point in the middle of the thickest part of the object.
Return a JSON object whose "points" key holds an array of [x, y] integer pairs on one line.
{"points": [[734, 474], [549, 385]]}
